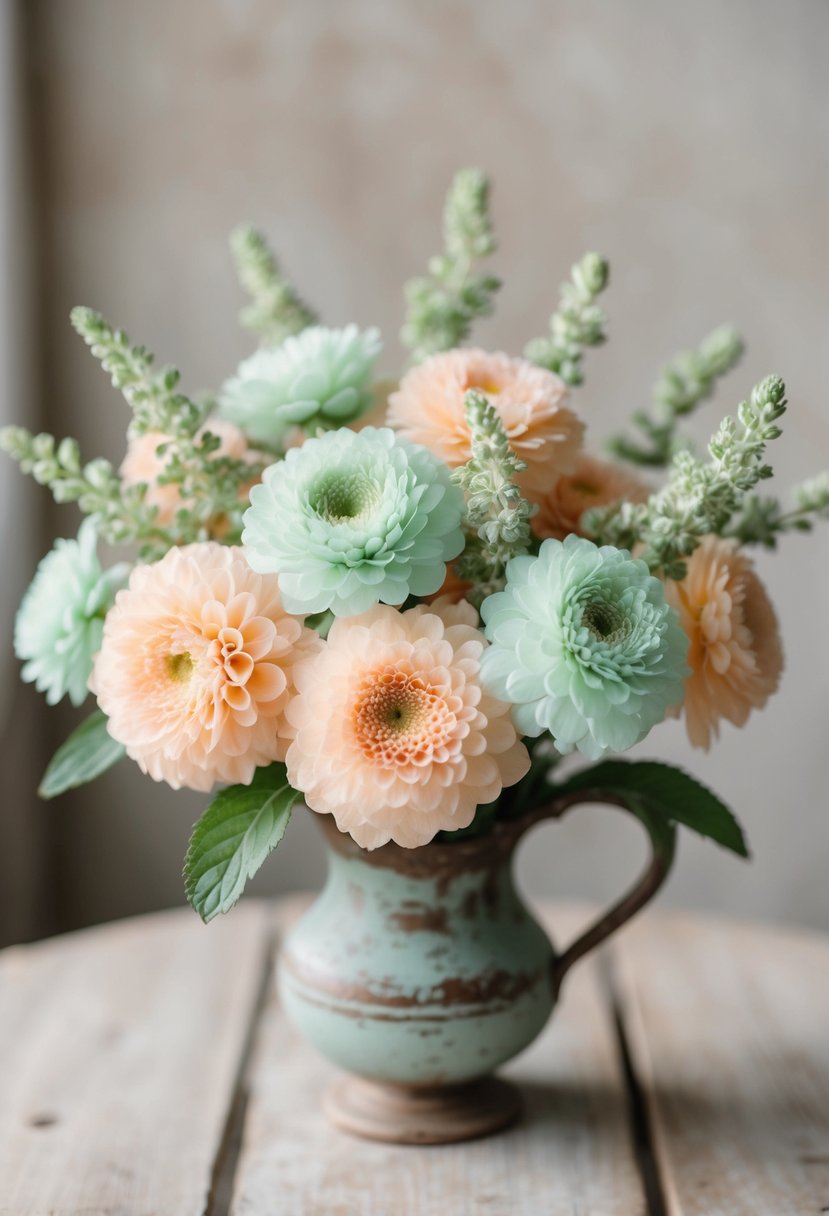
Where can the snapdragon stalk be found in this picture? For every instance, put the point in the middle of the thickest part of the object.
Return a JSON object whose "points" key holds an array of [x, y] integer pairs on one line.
{"points": [[762, 519], [577, 323], [699, 498], [497, 514], [682, 386], [275, 311], [443, 305], [209, 485]]}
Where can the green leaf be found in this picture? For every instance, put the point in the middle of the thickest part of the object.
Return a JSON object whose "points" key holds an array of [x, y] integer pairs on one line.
{"points": [[89, 751], [242, 825], [666, 791]]}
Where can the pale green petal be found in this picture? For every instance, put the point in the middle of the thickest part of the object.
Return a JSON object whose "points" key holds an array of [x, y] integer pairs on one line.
{"points": [[524, 685], [320, 376], [59, 624], [351, 519], [526, 719], [583, 643]]}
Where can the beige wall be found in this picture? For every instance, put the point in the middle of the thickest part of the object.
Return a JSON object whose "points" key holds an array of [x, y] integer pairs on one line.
{"points": [[688, 142]]}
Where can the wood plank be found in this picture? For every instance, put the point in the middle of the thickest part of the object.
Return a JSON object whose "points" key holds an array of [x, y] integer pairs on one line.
{"points": [[728, 1027], [570, 1156], [119, 1053]]}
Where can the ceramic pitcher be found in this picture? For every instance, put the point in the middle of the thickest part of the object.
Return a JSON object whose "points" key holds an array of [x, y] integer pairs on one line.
{"points": [[419, 971]]}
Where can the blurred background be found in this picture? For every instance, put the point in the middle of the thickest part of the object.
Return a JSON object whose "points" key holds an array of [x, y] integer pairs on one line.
{"points": [[686, 142]]}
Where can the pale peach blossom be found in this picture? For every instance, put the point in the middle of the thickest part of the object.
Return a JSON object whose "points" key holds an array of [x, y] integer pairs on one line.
{"points": [[592, 483], [394, 734], [428, 408], [196, 667], [735, 652], [144, 463]]}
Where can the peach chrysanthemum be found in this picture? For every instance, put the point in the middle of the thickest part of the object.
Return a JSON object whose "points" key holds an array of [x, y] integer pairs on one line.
{"points": [[196, 667], [735, 652], [428, 408], [394, 734], [592, 483], [144, 463]]}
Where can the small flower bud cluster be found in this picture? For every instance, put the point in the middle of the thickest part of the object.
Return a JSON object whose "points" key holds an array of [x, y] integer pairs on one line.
{"points": [[812, 496], [156, 404], [699, 499], [497, 514], [276, 310], [761, 520], [577, 323], [94, 486], [442, 306], [208, 485], [686, 382]]}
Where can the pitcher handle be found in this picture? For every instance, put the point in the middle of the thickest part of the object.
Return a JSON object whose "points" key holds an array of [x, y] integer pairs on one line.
{"points": [[662, 837]]}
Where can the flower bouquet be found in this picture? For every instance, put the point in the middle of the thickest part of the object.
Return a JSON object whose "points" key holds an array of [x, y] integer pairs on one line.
{"points": [[403, 603]]}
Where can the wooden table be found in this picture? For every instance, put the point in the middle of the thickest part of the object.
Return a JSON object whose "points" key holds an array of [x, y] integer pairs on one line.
{"points": [[146, 1070]]}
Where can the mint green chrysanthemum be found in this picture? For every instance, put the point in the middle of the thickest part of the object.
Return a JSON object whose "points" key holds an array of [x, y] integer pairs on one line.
{"points": [[350, 520], [585, 646], [318, 377], [60, 622]]}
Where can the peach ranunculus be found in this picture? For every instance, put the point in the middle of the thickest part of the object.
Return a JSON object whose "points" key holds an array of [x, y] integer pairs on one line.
{"points": [[144, 463], [735, 652], [394, 734], [428, 408], [592, 483], [196, 667]]}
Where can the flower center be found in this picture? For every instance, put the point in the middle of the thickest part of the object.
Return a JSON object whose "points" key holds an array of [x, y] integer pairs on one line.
{"points": [[484, 383], [340, 497], [589, 489], [180, 666], [400, 719], [602, 619]]}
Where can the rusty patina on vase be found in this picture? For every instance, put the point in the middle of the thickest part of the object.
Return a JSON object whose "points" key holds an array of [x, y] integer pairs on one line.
{"points": [[418, 966], [422, 970]]}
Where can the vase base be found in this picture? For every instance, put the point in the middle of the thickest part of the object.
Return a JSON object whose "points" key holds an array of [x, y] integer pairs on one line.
{"points": [[410, 1114]]}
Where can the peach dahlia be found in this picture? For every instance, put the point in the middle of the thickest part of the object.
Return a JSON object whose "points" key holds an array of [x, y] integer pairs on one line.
{"points": [[735, 653], [394, 734], [428, 408], [196, 667], [592, 483]]}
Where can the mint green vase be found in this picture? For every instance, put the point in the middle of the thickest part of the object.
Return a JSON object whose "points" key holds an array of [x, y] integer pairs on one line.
{"points": [[419, 971]]}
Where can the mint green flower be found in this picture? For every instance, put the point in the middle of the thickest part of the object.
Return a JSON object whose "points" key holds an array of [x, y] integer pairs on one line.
{"points": [[60, 621], [585, 646], [320, 377], [350, 520]]}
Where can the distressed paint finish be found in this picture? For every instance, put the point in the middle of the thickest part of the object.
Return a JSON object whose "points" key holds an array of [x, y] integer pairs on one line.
{"points": [[423, 966], [418, 967]]}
